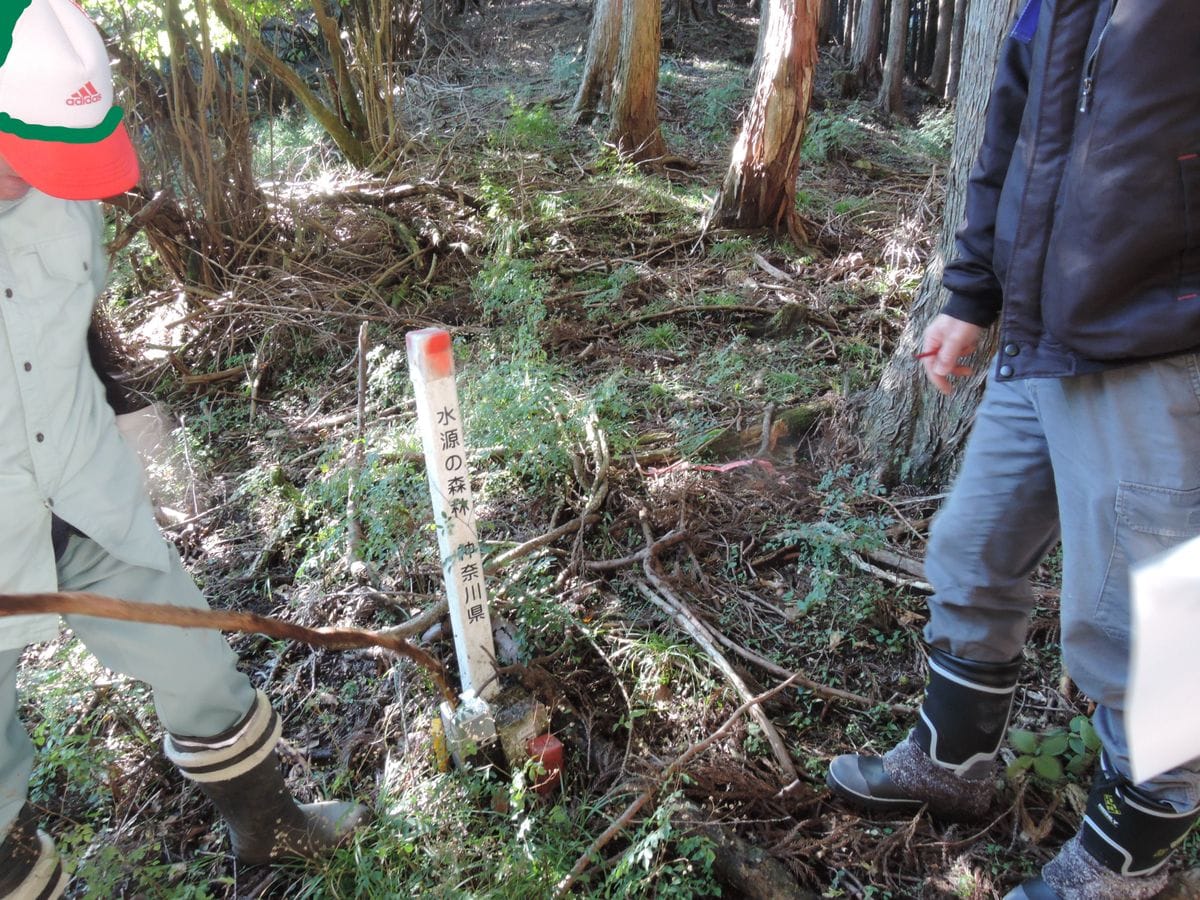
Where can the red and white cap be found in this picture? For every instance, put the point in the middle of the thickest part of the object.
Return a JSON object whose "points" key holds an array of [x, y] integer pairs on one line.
{"points": [[59, 129]]}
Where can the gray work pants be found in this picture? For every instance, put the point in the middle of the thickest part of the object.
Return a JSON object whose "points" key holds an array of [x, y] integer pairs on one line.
{"points": [[1110, 460], [198, 690]]}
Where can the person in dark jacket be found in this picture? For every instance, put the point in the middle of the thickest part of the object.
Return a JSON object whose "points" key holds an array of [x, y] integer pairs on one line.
{"points": [[1082, 241]]}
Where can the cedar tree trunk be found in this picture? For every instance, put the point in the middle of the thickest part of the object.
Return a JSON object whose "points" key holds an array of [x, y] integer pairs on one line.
{"points": [[891, 90], [941, 51], [868, 32], [600, 66], [759, 190], [910, 431], [634, 131]]}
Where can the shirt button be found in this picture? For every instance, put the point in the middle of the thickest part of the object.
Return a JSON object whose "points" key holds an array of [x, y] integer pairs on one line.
{"points": [[1006, 371], [28, 367], [1011, 349], [85, 266], [8, 293], [40, 437]]}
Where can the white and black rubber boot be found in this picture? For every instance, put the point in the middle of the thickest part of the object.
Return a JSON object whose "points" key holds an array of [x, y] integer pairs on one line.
{"points": [[239, 772], [29, 865], [948, 761], [1121, 850]]}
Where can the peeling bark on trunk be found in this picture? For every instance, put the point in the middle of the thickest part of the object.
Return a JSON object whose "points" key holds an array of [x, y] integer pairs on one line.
{"points": [[910, 431], [759, 190], [635, 130], [600, 66]]}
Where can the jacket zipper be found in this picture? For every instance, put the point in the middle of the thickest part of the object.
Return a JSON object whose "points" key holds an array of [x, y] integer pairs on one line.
{"points": [[1089, 72]]}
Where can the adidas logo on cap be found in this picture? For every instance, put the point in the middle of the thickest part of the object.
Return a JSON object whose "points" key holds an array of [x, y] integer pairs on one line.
{"points": [[85, 95]]}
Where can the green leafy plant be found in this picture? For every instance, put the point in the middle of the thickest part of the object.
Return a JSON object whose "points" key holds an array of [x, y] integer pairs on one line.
{"points": [[529, 128], [831, 135], [1054, 754]]}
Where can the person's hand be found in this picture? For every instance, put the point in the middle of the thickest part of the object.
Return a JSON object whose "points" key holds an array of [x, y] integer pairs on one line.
{"points": [[946, 341]]}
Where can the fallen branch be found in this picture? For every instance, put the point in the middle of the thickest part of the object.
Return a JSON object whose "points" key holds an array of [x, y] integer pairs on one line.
{"points": [[597, 491], [703, 635], [499, 562], [821, 690], [682, 760], [418, 623], [79, 603], [679, 611], [883, 574], [670, 539], [642, 318], [427, 617]]}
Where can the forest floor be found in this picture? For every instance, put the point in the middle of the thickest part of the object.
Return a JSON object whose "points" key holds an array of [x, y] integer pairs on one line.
{"points": [[688, 396]]}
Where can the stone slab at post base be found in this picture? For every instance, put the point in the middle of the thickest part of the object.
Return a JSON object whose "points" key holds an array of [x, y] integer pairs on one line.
{"points": [[478, 728], [519, 719], [470, 731]]}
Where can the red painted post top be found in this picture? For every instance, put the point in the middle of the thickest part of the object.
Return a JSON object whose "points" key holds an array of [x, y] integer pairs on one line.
{"points": [[430, 347], [548, 750]]}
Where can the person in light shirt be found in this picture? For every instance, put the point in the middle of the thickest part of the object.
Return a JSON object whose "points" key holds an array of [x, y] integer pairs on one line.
{"points": [[76, 514]]}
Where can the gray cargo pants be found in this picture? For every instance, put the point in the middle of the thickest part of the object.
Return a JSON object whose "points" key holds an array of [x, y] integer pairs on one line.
{"points": [[198, 690], [1112, 462]]}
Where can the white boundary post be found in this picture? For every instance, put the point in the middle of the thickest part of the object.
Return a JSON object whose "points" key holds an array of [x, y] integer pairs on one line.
{"points": [[439, 419]]}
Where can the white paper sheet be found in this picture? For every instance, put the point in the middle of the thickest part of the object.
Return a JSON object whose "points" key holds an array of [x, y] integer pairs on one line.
{"points": [[1163, 702]]}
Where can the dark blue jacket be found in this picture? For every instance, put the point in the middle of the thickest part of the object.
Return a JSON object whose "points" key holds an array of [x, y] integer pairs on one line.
{"points": [[1083, 209]]}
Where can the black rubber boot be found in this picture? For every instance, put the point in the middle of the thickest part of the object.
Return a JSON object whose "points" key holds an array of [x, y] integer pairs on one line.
{"points": [[1120, 851], [948, 761], [239, 772], [29, 865]]}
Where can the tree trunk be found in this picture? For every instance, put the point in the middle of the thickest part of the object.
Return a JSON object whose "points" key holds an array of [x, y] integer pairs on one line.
{"points": [[848, 18], [635, 131], [830, 24], [891, 90], [759, 190], [911, 432], [868, 30], [956, 49], [933, 25], [941, 52], [600, 66]]}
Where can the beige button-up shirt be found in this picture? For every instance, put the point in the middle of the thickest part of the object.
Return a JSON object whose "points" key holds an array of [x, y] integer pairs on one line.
{"points": [[60, 451]]}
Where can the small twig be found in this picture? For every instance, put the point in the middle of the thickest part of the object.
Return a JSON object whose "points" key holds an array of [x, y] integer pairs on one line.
{"points": [[642, 799], [670, 603], [765, 443], [761, 262], [80, 603]]}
